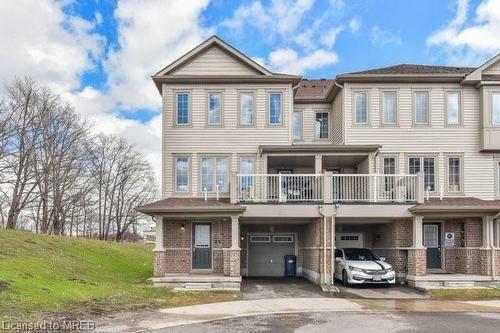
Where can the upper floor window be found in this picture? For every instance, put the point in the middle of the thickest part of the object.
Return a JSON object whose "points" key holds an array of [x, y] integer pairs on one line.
{"points": [[361, 107], [214, 171], [214, 108], [182, 174], [182, 108], [321, 125], [389, 109], [421, 107], [453, 108], [246, 109], [275, 108], [454, 174], [297, 126], [427, 165], [495, 108]]}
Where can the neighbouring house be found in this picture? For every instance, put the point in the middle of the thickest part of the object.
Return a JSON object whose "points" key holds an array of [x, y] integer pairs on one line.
{"points": [[150, 235], [257, 165]]}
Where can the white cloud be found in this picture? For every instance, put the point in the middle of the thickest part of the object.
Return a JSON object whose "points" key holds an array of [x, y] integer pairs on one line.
{"points": [[39, 39], [470, 41], [382, 37], [43, 40], [355, 25], [330, 36], [286, 60]]}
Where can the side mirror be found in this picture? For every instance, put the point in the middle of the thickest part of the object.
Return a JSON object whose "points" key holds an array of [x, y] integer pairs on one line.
{"points": [[338, 259], [382, 258]]}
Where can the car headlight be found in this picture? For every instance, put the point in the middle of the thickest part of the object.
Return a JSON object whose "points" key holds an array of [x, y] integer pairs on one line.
{"points": [[390, 269], [355, 269]]}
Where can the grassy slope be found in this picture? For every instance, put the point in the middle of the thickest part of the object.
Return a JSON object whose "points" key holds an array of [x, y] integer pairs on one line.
{"points": [[73, 276]]}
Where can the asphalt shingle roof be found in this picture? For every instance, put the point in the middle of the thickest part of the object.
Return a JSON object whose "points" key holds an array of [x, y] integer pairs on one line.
{"points": [[417, 69]]}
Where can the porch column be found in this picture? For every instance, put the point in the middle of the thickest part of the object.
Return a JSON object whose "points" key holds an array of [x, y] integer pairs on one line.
{"points": [[159, 252], [318, 164], [233, 258], [487, 232], [417, 255], [418, 232]]}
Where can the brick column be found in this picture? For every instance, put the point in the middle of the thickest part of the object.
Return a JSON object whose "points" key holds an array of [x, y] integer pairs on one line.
{"points": [[417, 262], [234, 262], [159, 254]]}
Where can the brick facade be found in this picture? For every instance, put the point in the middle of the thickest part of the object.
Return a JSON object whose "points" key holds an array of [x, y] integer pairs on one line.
{"points": [[417, 262]]}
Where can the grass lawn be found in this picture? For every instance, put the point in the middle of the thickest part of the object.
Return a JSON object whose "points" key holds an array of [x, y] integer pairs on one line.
{"points": [[51, 276], [464, 294]]}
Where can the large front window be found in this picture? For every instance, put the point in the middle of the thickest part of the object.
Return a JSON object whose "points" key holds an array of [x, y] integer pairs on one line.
{"points": [[454, 174], [275, 112], [182, 117], [361, 107], [214, 171], [214, 109], [246, 108], [182, 174], [421, 107], [321, 127], [297, 126], [427, 165]]}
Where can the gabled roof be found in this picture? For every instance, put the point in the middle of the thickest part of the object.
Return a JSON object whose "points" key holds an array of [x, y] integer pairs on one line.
{"points": [[261, 73], [476, 75], [214, 40], [417, 69]]}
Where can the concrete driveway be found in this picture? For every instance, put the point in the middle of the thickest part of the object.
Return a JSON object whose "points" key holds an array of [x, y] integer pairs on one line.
{"points": [[270, 288]]}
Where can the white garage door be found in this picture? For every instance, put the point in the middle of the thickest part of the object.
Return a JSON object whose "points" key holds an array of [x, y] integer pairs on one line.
{"points": [[349, 239]]}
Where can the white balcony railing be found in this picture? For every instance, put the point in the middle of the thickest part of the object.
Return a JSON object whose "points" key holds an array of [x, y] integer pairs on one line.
{"points": [[328, 188]]}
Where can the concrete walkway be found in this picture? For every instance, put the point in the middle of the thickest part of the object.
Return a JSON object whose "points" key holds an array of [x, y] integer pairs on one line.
{"points": [[164, 318]]}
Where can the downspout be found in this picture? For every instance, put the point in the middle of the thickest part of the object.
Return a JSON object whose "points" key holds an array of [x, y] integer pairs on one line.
{"points": [[332, 249]]}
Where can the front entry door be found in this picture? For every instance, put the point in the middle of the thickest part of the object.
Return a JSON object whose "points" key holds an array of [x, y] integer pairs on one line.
{"points": [[202, 246], [432, 241]]}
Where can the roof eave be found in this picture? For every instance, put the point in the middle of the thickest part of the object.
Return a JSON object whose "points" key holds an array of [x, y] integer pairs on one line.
{"points": [[453, 209], [318, 148]]}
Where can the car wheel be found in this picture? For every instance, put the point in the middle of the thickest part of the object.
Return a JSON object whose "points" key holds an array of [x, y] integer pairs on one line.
{"points": [[345, 281]]}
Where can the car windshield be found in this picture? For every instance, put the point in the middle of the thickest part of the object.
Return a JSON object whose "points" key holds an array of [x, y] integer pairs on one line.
{"points": [[360, 255]]}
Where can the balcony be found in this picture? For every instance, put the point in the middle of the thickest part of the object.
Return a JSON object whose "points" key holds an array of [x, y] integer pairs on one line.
{"points": [[326, 188]]}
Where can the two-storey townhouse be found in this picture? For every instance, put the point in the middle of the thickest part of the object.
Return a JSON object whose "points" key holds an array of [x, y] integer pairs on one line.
{"points": [[258, 165]]}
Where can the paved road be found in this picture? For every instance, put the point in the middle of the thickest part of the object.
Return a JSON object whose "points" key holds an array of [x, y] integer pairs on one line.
{"points": [[351, 322]]}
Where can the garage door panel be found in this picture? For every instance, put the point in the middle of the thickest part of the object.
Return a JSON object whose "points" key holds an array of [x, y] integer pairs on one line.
{"points": [[266, 259]]}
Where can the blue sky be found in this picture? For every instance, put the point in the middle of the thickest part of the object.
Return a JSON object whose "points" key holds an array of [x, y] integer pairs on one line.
{"points": [[99, 54]]}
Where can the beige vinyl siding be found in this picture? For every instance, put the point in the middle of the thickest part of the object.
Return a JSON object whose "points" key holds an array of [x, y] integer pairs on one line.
{"points": [[230, 139], [337, 120], [309, 120], [437, 138], [493, 69], [212, 62]]}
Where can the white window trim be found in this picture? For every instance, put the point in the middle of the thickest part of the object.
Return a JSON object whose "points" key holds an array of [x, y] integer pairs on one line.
{"points": [[175, 157], [414, 107], [493, 93], [447, 170], [221, 108], [382, 113], [436, 167], [240, 108], [268, 108], [316, 138], [301, 126], [175, 114], [354, 109], [460, 108], [200, 172]]}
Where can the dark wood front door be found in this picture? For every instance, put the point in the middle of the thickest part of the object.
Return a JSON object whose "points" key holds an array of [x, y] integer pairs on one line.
{"points": [[432, 241], [202, 246]]}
